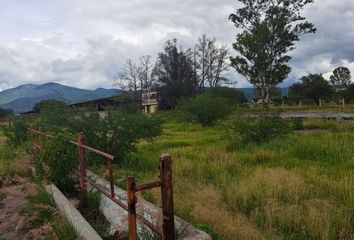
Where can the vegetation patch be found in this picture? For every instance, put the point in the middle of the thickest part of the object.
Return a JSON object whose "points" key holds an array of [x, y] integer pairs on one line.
{"points": [[56, 161], [272, 189]]}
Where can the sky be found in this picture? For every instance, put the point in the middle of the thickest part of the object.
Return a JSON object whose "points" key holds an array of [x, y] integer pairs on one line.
{"points": [[85, 43]]}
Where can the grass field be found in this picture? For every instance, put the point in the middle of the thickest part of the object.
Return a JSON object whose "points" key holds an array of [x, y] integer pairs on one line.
{"points": [[295, 187], [298, 186]]}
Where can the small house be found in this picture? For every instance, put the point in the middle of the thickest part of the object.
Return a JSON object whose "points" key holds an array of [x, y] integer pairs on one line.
{"points": [[150, 102]]}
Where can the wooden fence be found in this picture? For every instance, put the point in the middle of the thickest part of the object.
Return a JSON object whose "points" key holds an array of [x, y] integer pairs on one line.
{"points": [[39, 138]]}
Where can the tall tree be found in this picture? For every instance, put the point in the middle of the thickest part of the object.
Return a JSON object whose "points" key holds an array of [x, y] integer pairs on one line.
{"points": [[129, 77], [210, 62], [219, 68], [175, 73], [313, 87], [270, 30], [341, 77], [145, 73]]}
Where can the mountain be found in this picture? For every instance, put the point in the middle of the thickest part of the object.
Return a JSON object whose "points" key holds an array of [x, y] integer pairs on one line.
{"points": [[24, 97]]}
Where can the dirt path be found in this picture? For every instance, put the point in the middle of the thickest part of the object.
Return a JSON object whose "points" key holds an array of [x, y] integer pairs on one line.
{"points": [[13, 199]]}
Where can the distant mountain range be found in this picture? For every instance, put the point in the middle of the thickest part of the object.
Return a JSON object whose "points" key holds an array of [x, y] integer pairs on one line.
{"points": [[24, 97]]}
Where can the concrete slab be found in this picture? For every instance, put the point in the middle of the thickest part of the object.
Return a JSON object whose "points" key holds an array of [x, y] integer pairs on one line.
{"points": [[82, 227], [117, 216]]}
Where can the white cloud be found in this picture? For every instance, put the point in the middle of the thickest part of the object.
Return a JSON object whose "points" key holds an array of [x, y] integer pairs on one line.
{"points": [[84, 43]]}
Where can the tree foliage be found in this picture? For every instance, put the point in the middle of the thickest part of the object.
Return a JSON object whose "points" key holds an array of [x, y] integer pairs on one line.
{"points": [[209, 62], [270, 30], [118, 133], [341, 77], [174, 72], [53, 114], [212, 105], [48, 104], [231, 95], [313, 87], [129, 77], [137, 76], [145, 73]]}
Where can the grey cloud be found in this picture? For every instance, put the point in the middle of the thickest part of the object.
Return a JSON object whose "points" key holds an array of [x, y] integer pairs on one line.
{"points": [[84, 43]]}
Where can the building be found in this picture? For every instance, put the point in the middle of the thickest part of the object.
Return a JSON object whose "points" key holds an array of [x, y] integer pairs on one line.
{"points": [[150, 102], [103, 105]]}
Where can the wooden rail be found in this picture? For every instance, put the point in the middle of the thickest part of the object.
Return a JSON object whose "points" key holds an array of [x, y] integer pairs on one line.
{"points": [[165, 183]]}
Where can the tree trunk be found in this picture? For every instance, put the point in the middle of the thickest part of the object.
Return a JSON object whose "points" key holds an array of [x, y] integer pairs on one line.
{"points": [[265, 98]]}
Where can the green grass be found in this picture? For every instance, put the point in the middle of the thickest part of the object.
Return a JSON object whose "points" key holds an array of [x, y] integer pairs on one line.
{"points": [[41, 211], [64, 231], [13, 159], [294, 187]]}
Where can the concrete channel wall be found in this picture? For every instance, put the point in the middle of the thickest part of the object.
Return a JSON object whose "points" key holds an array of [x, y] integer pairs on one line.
{"points": [[117, 216], [321, 115], [82, 227]]}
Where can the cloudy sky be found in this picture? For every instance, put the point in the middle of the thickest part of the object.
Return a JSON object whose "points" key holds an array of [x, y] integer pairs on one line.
{"points": [[84, 43]]}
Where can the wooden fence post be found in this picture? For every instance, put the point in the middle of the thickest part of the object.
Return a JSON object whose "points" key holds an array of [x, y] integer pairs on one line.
{"points": [[80, 140], [168, 224], [110, 176], [131, 198], [40, 138]]}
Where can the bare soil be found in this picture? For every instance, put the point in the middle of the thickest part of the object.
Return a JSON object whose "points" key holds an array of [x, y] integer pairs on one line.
{"points": [[13, 199]]}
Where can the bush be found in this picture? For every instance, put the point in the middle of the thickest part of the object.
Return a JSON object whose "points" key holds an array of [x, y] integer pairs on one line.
{"points": [[297, 124], [16, 134], [118, 133], [206, 109], [56, 161], [231, 95], [53, 115], [258, 130]]}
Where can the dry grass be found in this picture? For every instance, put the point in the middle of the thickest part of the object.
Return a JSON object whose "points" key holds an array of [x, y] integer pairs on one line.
{"points": [[260, 156], [293, 187], [203, 204], [282, 202], [13, 161]]}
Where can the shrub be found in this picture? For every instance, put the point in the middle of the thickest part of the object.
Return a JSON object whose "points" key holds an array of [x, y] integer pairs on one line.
{"points": [[206, 109], [232, 95], [54, 115], [56, 162], [16, 134], [297, 124], [118, 133], [258, 130]]}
